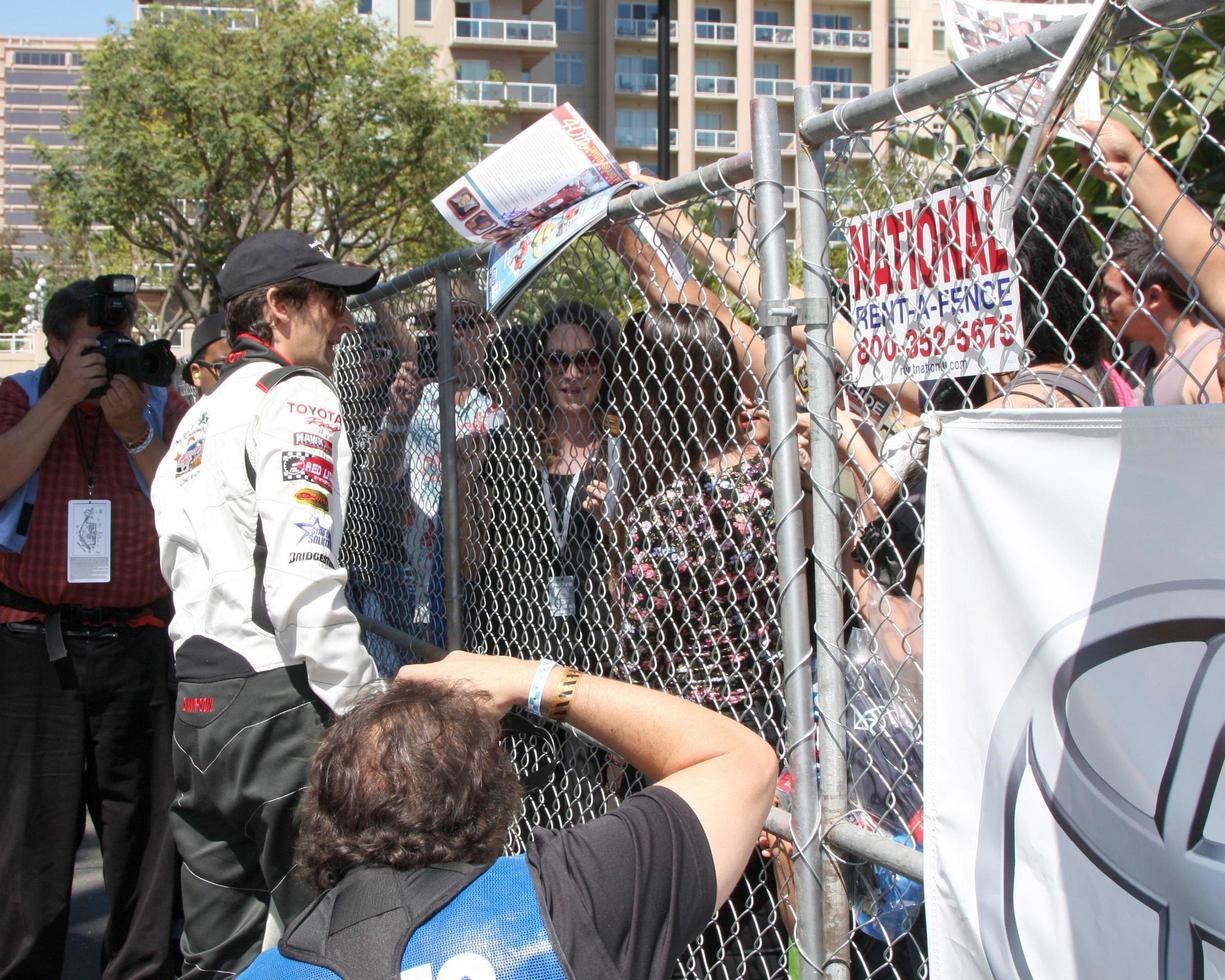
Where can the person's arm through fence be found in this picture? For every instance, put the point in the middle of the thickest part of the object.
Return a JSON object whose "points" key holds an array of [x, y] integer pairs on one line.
{"points": [[724, 772]]}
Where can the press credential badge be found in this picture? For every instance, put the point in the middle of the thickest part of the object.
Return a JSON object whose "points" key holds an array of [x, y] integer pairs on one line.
{"points": [[89, 541]]}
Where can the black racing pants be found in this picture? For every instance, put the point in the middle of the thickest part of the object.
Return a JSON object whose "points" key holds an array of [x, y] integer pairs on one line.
{"points": [[242, 753], [90, 731]]}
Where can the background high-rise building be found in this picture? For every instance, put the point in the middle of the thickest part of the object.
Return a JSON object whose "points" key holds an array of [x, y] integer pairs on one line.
{"points": [[40, 74]]}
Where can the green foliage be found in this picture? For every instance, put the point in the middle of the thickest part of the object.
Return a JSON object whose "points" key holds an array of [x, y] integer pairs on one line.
{"points": [[1169, 89], [193, 137]]}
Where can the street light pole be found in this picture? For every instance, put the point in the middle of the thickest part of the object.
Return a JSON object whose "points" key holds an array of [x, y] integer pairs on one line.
{"points": [[663, 138]]}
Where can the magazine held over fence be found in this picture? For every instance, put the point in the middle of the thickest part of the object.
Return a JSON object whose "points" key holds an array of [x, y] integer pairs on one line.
{"points": [[932, 291], [533, 196], [976, 25]]}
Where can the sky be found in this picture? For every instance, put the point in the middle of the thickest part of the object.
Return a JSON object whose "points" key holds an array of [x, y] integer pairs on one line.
{"points": [[62, 18]]}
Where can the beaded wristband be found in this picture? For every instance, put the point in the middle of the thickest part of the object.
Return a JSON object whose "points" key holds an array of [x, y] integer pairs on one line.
{"points": [[134, 448], [536, 692], [565, 694]]}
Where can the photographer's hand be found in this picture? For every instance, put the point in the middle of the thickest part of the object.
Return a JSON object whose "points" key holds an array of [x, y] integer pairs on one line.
{"points": [[82, 369], [123, 406]]}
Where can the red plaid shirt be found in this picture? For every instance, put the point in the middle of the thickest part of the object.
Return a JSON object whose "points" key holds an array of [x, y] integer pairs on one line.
{"points": [[41, 569]]}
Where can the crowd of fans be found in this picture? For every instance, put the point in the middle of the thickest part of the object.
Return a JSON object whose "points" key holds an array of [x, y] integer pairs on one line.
{"points": [[615, 523]]}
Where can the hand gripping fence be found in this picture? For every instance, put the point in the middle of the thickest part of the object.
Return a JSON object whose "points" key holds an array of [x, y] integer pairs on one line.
{"points": [[772, 571]]}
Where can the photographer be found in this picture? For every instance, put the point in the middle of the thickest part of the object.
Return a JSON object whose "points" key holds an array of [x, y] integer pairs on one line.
{"points": [[84, 703]]}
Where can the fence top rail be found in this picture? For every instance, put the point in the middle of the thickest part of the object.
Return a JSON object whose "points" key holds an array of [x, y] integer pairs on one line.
{"points": [[986, 68], [710, 179]]}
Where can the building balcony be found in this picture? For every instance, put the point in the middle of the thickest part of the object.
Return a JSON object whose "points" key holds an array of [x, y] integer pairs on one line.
{"points": [[639, 29], [642, 137], [775, 88], [484, 32], [705, 32], [640, 83], [769, 36], [19, 341], [715, 140], [827, 39], [529, 95], [715, 86], [235, 18], [841, 91]]}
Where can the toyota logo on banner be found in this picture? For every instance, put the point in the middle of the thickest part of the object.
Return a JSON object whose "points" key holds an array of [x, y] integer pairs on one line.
{"points": [[1163, 859]]}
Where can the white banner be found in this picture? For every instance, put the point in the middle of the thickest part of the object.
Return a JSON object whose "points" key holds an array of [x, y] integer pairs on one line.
{"points": [[1075, 695]]}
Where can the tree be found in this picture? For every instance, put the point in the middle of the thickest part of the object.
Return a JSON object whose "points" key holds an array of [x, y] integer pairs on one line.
{"points": [[192, 137]]}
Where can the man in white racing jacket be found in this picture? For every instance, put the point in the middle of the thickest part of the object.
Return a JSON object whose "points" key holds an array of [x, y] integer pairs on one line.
{"points": [[250, 508]]}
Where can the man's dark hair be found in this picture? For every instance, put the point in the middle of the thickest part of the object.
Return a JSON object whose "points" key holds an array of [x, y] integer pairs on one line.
{"points": [[247, 312], [68, 305], [406, 779], [1145, 265], [1057, 274]]}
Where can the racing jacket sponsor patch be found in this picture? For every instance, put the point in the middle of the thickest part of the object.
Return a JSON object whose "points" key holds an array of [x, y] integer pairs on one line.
{"points": [[320, 556], [299, 465], [314, 533], [324, 419], [312, 498], [313, 440]]}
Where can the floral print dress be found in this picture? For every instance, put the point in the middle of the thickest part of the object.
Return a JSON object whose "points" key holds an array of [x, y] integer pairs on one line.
{"points": [[699, 594]]}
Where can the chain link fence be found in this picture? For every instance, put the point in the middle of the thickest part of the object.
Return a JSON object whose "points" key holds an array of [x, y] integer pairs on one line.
{"points": [[630, 473], [1119, 269]]}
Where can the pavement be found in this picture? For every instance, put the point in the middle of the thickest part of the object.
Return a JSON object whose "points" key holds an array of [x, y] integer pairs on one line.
{"points": [[87, 917]]}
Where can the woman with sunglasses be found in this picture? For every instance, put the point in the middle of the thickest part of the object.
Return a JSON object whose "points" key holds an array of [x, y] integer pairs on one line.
{"points": [[541, 501]]}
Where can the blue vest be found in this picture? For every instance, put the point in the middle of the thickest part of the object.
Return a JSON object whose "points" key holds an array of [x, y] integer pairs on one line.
{"points": [[492, 930], [15, 512]]}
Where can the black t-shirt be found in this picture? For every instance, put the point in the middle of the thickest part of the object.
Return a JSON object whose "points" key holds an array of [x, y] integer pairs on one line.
{"points": [[625, 893]]}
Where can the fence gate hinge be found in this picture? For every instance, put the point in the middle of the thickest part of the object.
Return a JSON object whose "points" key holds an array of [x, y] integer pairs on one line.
{"points": [[789, 312]]}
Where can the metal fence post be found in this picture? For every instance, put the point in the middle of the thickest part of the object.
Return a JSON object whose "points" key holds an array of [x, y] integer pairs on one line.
{"points": [[789, 521], [450, 475], [831, 691]]}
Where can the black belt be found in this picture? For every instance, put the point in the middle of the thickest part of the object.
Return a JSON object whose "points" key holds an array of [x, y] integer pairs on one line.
{"points": [[74, 621]]}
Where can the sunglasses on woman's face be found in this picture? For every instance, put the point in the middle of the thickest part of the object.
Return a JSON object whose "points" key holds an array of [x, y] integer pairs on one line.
{"points": [[586, 361]]}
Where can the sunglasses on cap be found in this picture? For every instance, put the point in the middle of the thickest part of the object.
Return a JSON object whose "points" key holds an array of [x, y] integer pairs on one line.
{"points": [[586, 361]]}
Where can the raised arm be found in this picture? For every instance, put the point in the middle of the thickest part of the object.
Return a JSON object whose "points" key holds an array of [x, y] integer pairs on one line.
{"points": [[1192, 240], [723, 771]]}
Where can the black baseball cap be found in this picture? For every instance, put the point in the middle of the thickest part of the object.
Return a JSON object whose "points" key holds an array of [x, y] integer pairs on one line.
{"points": [[208, 331], [276, 256]]}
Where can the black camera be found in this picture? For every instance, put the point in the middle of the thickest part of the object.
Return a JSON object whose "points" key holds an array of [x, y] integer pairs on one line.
{"points": [[110, 308]]}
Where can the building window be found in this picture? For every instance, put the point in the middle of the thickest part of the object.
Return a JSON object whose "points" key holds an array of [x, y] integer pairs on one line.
{"points": [[899, 32], [365, 6], [78, 58], [898, 75], [938, 35], [476, 10], [825, 73], [707, 15], [766, 18], [568, 69], [767, 69], [637, 11], [708, 120], [472, 71], [832, 22], [568, 15], [38, 57], [423, 10], [707, 66]]}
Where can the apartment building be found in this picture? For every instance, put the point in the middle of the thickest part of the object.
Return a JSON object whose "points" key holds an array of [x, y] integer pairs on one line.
{"points": [[40, 73]]}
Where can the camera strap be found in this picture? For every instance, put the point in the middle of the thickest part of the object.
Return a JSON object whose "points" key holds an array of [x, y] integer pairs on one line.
{"points": [[90, 458]]}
